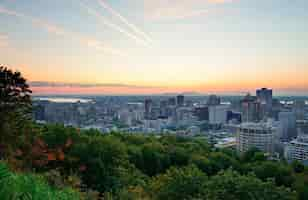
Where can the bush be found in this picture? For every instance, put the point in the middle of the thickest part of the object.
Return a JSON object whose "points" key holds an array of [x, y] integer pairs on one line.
{"points": [[27, 186]]}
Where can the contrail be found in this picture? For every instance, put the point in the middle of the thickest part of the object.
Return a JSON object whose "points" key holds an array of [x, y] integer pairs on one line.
{"points": [[124, 20], [114, 26], [90, 42]]}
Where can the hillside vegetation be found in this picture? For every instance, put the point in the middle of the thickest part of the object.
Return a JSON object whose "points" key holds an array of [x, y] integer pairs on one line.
{"points": [[56, 162]]}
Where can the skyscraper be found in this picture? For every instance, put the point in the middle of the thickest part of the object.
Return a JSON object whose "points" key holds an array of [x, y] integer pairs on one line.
{"points": [[288, 126], [148, 104], [163, 108], [180, 100], [202, 113], [299, 109], [171, 101], [213, 100], [218, 114], [250, 109], [265, 98]]}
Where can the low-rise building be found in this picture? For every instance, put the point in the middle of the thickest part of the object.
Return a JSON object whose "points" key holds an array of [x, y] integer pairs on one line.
{"points": [[297, 149], [229, 142]]}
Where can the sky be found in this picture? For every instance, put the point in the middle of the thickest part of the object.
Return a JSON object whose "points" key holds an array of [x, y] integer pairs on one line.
{"points": [[156, 46]]}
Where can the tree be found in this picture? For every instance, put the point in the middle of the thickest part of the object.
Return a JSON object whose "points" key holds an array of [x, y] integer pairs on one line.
{"points": [[230, 185], [203, 164], [298, 167], [179, 183], [155, 160], [15, 105], [220, 161], [280, 173], [14, 92], [253, 154]]}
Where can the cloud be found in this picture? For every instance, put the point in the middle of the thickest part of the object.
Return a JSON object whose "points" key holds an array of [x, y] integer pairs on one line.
{"points": [[9, 12], [221, 1], [177, 13], [136, 29], [113, 26], [178, 9], [4, 40], [84, 85], [59, 31]]}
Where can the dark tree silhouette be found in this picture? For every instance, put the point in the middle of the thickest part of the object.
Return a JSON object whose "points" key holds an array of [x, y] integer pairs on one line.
{"points": [[15, 104], [14, 90]]}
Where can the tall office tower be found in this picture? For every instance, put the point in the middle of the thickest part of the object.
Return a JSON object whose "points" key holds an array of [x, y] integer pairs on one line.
{"points": [[163, 108], [288, 126], [148, 104], [299, 109], [255, 135], [180, 100], [171, 112], [171, 101], [202, 113], [297, 149], [250, 109], [265, 97], [213, 100], [218, 114]]}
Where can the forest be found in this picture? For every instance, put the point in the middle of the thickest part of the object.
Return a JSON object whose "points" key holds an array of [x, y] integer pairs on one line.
{"points": [[52, 161]]}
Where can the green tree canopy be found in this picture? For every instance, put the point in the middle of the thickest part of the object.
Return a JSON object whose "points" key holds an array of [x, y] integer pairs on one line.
{"points": [[231, 185]]}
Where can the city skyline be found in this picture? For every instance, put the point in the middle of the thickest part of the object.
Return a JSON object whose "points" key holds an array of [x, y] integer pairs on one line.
{"points": [[154, 47]]}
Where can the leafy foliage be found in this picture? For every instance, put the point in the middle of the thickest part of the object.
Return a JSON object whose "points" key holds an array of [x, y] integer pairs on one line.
{"points": [[231, 185], [120, 166], [184, 183], [29, 187]]}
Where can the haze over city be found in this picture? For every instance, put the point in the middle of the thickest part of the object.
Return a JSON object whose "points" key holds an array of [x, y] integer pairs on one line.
{"points": [[155, 47]]}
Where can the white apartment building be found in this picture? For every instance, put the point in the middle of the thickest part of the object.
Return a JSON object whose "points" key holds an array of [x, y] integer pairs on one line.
{"points": [[255, 135]]}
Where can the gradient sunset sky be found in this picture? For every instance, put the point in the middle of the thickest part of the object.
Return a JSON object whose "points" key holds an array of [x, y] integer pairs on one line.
{"points": [[156, 46]]}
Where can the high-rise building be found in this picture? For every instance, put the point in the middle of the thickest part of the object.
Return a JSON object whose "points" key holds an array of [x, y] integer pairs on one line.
{"points": [[171, 101], [213, 100], [299, 109], [155, 112], [288, 126], [180, 100], [218, 114], [265, 98], [255, 135], [163, 108], [250, 109], [148, 104], [202, 112], [297, 149]]}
